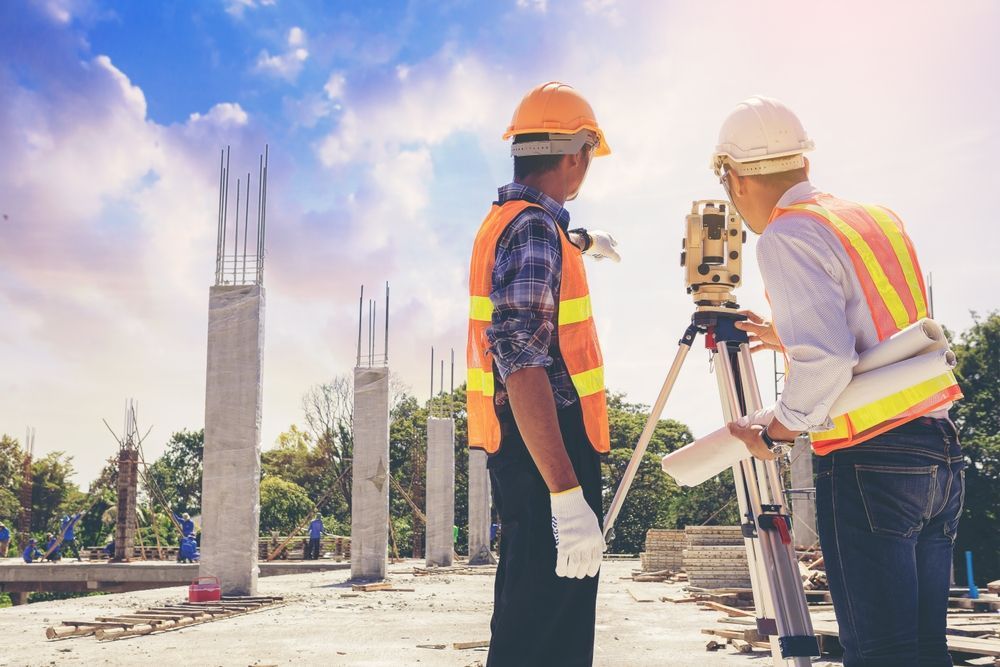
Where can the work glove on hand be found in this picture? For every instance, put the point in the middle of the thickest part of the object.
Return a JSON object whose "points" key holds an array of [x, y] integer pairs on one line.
{"points": [[579, 541], [596, 243]]}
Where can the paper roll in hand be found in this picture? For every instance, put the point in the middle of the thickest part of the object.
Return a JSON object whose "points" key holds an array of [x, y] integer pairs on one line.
{"points": [[914, 355]]}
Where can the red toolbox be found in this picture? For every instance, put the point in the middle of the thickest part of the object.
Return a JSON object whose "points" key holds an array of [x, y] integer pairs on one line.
{"points": [[204, 589]]}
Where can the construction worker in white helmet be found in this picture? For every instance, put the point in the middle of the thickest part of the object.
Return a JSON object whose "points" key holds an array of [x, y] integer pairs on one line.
{"points": [[536, 398], [841, 277]]}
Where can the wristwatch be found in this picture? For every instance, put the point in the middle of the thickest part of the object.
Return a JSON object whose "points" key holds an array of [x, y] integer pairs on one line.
{"points": [[780, 447]]}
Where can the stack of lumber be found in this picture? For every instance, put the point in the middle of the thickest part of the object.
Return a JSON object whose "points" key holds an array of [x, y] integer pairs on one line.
{"points": [[715, 557], [664, 550]]}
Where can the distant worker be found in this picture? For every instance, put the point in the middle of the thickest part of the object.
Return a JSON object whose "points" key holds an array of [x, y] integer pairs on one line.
{"points": [[31, 553], [4, 540], [316, 533], [53, 548], [109, 547], [536, 397], [842, 277], [494, 530], [187, 525], [188, 552], [67, 529]]}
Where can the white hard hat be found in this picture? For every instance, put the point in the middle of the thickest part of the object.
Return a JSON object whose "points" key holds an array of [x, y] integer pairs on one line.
{"points": [[761, 136]]}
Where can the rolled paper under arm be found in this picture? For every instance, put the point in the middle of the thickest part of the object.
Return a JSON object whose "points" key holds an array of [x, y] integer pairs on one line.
{"points": [[918, 338], [708, 456]]}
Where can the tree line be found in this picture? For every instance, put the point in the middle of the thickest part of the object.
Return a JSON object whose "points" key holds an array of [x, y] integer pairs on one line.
{"points": [[308, 470]]}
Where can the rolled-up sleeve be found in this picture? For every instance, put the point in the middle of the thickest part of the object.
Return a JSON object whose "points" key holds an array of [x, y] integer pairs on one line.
{"points": [[526, 278], [805, 288]]}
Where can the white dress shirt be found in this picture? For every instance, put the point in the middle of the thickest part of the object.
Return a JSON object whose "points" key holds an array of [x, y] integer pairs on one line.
{"points": [[819, 311]]}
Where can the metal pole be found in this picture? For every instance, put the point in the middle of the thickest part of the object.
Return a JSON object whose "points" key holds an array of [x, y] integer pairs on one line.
{"points": [[218, 231], [246, 221], [236, 241], [361, 310], [432, 377], [225, 221], [387, 323], [263, 220]]}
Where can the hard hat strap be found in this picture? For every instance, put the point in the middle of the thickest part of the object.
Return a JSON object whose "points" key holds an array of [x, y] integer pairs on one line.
{"points": [[556, 144], [760, 167]]}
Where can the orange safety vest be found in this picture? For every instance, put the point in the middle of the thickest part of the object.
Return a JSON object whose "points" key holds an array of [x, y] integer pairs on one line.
{"points": [[886, 265], [576, 332]]}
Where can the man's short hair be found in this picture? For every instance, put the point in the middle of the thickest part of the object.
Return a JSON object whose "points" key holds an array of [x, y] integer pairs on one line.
{"points": [[529, 165]]}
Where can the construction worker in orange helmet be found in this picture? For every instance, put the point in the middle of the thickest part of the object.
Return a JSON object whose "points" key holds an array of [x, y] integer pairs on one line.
{"points": [[536, 397], [842, 277]]}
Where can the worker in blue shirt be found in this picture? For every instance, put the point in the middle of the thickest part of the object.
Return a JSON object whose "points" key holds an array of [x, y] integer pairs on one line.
{"points": [[53, 549], [187, 525], [4, 540], [189, 550], [315, 533], [69, 537], [31, 552]]}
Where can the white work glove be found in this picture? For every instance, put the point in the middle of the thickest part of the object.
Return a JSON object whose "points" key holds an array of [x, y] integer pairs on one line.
{"points": [[597, 244], [579, 541], [761, 417]]}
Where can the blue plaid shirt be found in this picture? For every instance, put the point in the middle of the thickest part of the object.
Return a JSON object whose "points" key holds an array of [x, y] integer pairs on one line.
{"points": [[526, 278]]}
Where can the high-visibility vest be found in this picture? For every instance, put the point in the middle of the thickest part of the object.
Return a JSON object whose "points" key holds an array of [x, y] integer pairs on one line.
{"points": [[576, 333], [886, 265]]}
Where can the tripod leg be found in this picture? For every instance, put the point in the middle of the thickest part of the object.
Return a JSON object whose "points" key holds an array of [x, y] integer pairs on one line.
{"points": [[647, 432], [774, 570]]}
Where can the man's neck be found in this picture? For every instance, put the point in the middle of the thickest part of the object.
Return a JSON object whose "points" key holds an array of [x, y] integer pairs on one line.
{"points": [[548, 183]]}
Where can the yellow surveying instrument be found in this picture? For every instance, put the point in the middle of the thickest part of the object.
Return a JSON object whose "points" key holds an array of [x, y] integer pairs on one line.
{"points": [[712, 257]]}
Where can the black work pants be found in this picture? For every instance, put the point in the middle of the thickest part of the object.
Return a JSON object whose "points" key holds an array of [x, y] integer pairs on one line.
{"points": [[312, 551], [538, 617]]}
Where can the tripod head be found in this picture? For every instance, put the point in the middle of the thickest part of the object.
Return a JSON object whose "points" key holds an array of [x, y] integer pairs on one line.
{"points": [[712, 254]]}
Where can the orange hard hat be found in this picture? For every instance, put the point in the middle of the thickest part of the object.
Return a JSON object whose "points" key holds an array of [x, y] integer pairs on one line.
{"points": [[556, 108]]}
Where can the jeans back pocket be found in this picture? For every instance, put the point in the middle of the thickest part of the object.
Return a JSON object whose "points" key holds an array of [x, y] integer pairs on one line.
{"points": [[897, 500]]}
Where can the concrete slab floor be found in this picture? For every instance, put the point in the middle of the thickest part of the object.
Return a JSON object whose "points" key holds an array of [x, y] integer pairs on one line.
{"points": [[320, 625]]}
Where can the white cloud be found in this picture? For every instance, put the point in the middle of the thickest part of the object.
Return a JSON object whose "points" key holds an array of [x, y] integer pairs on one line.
{"points": [[540, 6], [236, 8], [222, 114], [285, 65], [334, 86]]}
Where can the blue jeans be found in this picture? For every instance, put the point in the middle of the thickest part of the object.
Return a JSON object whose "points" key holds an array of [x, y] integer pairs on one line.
{"points": [[887, 513]]}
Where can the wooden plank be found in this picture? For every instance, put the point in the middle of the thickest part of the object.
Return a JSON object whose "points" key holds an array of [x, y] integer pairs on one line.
{"points": [[485, 643], [729, 611], [639, 596], [368, 588]]}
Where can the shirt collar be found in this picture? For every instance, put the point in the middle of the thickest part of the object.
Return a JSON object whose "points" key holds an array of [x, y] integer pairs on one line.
{"points": [[797, 193], [513, 191]]}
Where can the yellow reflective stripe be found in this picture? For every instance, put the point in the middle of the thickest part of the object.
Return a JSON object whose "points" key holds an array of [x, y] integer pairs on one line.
{"points": [[893, 406], [839, 431], [895, 236], [480, 308], [589, 382], [481, 381], [885, 289], [572, 311]]}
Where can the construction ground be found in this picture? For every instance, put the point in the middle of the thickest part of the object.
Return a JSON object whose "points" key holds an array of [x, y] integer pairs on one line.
{"points": [[323, 621]]}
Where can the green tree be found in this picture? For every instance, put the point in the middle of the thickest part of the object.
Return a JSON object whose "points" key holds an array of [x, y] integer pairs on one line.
{"points": [[11, 463], [283, 505], [177, 473], [978, 419], [53, 494]]}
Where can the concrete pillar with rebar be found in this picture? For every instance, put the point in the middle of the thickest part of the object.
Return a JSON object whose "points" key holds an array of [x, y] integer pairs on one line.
{"points": [[440, 508], [479, 509], [370, 474], [233, 402], [125, 523]]}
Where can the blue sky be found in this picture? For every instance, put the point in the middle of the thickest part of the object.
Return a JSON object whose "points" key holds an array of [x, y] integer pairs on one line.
{"points": [[384, 124]]}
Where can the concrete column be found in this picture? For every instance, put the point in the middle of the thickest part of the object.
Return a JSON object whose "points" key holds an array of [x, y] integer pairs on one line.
{"points": [[370, 474], [440, 507], [125, 525], [803, 501], [479, 509], [230, 488]]}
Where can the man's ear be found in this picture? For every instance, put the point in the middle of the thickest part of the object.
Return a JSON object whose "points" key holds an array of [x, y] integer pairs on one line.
{"points": [[806, 160]]}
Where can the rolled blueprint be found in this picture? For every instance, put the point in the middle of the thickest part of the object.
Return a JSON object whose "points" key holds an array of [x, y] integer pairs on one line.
{"points": [[916, 339], [708, 456]]}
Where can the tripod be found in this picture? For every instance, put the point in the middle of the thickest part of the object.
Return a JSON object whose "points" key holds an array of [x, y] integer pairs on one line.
{"points": [[779, 600]]}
